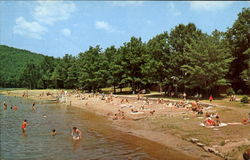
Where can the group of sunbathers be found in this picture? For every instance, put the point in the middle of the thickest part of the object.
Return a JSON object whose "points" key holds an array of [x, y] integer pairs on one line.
{"points": [[209, 121]]}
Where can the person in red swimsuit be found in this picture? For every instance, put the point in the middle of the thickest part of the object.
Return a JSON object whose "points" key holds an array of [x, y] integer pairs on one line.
{"points": [[24, 125], [15, 108], [211, 98]]}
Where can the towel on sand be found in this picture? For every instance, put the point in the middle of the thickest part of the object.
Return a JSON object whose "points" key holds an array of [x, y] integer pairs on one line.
{"points": [[221, 125]]}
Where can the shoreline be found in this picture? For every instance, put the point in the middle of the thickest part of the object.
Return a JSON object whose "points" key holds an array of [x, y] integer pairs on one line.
{"points": [[129, 125]]}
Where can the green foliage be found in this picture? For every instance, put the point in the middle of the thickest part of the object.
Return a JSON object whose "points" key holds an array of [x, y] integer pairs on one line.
{"points": [[239, 91], [244, 99], [131, 62], [207, 62], [230, 91], [12, 62], [239, 40], [156, 67]]}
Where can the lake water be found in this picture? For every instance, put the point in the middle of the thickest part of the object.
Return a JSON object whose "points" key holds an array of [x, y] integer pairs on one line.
{"points": [[100, 141]]}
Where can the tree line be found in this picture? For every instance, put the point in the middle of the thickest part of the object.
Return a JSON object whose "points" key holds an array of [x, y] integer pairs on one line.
{"points": [[184, 59]]}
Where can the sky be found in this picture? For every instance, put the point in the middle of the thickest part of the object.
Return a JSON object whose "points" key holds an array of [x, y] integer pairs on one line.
{"points": [[56, 28]]}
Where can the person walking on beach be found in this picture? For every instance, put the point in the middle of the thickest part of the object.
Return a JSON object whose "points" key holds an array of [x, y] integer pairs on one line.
{"points": [[184, 96], [76, 133], [24, 125], [211, 98]]}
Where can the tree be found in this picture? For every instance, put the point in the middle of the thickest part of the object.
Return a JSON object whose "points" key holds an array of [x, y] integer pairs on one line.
{"points": [[131, 62], [245, 74], [30, 75], [92, 69], [180, 36], [239, 39], [156, 68], [207, 64], [47, 67], [114, 67]]}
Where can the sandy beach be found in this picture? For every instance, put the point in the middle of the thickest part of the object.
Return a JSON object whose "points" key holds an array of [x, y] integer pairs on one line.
{"points": [[162, 122]]}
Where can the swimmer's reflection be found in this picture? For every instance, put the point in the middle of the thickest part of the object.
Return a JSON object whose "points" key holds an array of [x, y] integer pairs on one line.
{"points": [[75, 145]]}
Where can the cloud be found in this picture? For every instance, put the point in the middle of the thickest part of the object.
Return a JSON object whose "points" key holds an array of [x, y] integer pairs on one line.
{"points": [[104, 25], [209, 5], [49, 12], [45, 13], [173, 9], [29, 29], [127, 3], [66, 32]]}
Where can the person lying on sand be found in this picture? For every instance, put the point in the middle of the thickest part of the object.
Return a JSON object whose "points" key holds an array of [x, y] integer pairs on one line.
{"points": [[246, 120], [152, 112], [209, 121], [115, 117], [134, 111], [217, 120]]}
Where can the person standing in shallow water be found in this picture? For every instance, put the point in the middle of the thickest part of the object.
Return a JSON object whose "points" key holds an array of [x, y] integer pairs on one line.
{"points": [[76, 133], [24, 125], [5, 106], [33, 106]]}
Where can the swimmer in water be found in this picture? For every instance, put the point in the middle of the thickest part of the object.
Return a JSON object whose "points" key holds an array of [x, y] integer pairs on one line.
{"points": [[33, 106], [5, 106], [24, 125], [15, 108], [53, 133], [76, 133]]}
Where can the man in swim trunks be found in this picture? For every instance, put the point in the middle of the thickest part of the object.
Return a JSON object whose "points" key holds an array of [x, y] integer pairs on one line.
{"points": [[33, 106], [24, 125], [76, 133]]}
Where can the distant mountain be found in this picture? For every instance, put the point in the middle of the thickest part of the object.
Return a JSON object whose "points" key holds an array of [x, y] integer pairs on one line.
{"points": [[12, 60]]}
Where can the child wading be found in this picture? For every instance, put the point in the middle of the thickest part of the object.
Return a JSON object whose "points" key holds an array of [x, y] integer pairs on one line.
{"points": [[24, 125]]}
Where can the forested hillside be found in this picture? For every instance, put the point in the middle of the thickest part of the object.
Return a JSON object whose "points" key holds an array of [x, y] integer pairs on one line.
{"points": [[12, 61], [183, 59]]}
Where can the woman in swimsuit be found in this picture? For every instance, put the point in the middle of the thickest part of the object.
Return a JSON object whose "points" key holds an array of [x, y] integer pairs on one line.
{"points": [[76, 133], [24, 125]]}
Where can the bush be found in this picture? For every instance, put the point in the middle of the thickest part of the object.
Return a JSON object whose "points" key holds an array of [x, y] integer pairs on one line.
{"points": [[239, 91], [245, 99], [230, 91]]}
